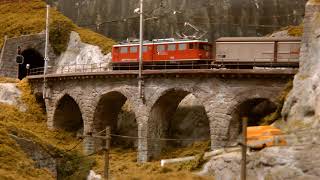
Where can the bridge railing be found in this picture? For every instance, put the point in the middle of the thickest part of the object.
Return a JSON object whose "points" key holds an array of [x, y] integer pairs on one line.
{"points": [[172, 65]]}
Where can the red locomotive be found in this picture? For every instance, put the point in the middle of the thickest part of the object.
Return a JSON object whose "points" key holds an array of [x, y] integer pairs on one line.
{"points": [[243, 52], [163, 53]]}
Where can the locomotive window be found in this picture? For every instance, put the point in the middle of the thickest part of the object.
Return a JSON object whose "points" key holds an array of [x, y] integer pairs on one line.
{"points": [[191, 46], [182, 47], [133, 49], [201, 46], [171, 47], [145, 48], [204, 47], [124, 50], [161, 48], [116, 49]]}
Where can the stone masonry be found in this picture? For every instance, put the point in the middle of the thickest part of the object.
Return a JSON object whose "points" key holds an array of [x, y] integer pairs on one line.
{"points": [[219, 96], [8, 65]]}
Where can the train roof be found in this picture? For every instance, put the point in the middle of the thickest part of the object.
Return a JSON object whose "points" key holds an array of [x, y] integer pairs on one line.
{"points": [[161, 41], [258, 39]]}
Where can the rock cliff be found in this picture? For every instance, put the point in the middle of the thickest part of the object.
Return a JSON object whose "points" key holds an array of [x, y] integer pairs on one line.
{"points": [[166, 17], [302, 108]]}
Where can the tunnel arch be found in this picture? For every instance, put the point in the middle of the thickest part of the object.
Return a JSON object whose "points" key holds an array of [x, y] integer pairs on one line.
{"points": [[115, 110], [172, 117], [68, 115], [253, 108], [32, 57]]}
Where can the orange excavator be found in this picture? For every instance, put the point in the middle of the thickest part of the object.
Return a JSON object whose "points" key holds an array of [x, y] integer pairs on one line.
{"points": [[259, 137]]}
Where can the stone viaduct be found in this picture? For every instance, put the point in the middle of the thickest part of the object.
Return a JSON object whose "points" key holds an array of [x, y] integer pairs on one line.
{"points": [[93, 101]]}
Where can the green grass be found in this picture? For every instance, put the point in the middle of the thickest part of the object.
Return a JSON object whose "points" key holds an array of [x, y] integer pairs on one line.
{"points": [[28, 17]]}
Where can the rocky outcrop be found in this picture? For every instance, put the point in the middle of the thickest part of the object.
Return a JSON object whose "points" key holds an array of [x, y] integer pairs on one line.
{"points": [[219, 17], [10, 95], [81, 57], [298, 160], [275, 163], [302, 108]]}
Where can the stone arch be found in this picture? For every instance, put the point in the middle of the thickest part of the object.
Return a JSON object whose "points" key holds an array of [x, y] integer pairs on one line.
{"points": [[67, 114], [164, 121], [115, 110], [32, 57], [252, 104]]}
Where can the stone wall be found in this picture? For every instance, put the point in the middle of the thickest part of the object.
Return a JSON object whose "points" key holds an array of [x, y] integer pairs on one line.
{"points": [[218, 17], [220, 98], [8, 65]]}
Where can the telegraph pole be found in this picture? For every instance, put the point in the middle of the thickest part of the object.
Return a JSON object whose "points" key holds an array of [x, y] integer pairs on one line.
{"points": [[46, 57], [140, 78], [244, 149], [106, 153]]}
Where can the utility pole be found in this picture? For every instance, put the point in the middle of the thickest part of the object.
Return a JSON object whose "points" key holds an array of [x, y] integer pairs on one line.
{"points": [[46, 57], [140, 78], [244, 149], [106, 153]]}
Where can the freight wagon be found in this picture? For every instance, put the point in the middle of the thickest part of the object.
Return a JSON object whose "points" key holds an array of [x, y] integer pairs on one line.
{"points": [[257, 51]]}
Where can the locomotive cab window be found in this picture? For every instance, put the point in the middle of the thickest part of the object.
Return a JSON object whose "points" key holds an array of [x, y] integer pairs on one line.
{"points": [[145, 48], [123, 50], [182, 47], [161, 48], [116, 50], [133, 49], [171, 47], [191, 46], [203, 47]]}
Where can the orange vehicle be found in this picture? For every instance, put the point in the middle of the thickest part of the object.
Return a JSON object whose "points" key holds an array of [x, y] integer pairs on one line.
{"points": [[264, 136]]}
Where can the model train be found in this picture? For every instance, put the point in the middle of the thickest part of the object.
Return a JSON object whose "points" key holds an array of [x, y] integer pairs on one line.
{"points": [[228, 52]]}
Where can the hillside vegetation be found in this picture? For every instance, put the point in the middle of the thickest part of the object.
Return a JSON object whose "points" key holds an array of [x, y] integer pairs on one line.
{"points": [[23, 17], [31, 125]]}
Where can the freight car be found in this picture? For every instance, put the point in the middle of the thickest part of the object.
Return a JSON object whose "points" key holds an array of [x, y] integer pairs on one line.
{"points": [[257, 51], [227, 52]]}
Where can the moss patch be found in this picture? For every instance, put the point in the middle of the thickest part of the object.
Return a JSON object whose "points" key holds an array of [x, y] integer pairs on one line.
{"points": [[28, 17], [93, 38], [8, 80], [295, 31]]}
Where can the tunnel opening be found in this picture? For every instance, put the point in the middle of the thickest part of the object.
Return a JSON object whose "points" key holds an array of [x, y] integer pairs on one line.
{"points": [[31, 57], [255, 109], [41, 102], [115, 111], [181, 119], [68, 115]]}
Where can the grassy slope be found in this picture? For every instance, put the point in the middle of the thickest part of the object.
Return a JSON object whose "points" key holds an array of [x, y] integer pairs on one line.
{"points": [[28, 17], [14, 163]]}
